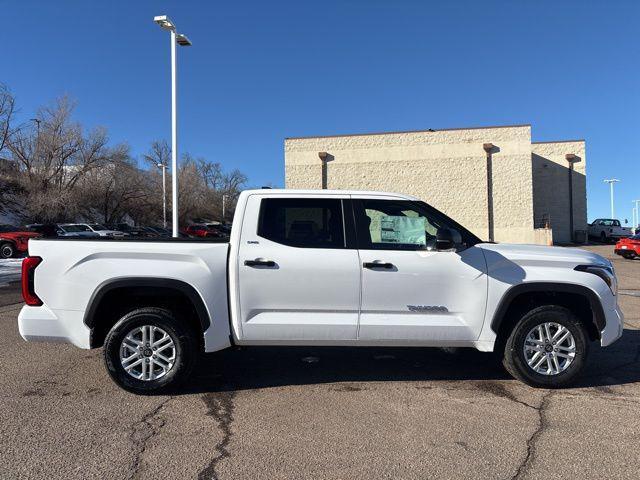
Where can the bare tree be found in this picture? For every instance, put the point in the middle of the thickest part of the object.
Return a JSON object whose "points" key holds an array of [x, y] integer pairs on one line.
{"points": [[51, 171], [158, 154], [7, 106], [52, 155]]}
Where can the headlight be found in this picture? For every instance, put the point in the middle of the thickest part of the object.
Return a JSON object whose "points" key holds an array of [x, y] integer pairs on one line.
{"points": [[605, 272]]}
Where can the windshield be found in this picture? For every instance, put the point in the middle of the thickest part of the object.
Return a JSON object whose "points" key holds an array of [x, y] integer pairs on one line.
{"points": [[610, 223], [97, 226], [76, 228], [8, 228]]}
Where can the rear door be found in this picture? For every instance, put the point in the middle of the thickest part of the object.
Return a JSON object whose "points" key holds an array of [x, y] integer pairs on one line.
{"points": [[298, 278], [412, 293]]}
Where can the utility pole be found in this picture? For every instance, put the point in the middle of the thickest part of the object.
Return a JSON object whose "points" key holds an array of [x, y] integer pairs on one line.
{"points": [[636, 210], [164, 193], [611, 181], [224, 202]]}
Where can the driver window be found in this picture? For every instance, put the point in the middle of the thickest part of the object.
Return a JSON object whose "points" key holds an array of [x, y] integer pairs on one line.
{"points": [[395, 225]]}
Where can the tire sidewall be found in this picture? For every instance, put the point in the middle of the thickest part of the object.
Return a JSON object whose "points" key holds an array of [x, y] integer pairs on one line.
{"points": [[182, 338], [7, 247], [536, 317]]}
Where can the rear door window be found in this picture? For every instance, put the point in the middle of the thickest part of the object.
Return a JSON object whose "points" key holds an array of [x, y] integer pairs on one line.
{"points": [[300, 222]]}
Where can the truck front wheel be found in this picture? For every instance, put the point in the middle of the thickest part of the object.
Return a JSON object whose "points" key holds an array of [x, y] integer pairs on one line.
{"points": [[547, 348], [149, 351]]}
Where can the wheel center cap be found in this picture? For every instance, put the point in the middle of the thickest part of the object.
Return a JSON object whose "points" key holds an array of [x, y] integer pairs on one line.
{"points": [[147, 352], [548, 347]]}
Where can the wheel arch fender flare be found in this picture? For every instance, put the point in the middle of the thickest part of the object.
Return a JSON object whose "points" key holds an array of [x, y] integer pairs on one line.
{"points": [[90, 316], [599, 319]]}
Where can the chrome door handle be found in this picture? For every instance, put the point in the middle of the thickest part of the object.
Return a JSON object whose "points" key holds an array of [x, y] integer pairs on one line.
{"points": [[260, 262], [378, 264]]}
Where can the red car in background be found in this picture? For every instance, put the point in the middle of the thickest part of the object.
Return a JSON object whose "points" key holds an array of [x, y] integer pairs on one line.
{"points": [[202, 231], [14, 241], [628, 248]]}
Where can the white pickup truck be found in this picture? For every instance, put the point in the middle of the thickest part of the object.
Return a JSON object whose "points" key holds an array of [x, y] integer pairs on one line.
{"points": [[320, 268], [608, 229]]}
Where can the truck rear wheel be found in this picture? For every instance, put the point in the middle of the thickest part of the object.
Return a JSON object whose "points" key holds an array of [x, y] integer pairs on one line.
{"points": [[149, 351], [548, 348]]}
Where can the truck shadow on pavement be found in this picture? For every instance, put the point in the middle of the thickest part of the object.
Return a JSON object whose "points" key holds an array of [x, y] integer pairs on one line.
{"points": [[263, 367]]}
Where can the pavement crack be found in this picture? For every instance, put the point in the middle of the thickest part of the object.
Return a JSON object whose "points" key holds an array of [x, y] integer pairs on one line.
{"points": [[220, 407], [499, 390], [143, 431], [525, 465]]}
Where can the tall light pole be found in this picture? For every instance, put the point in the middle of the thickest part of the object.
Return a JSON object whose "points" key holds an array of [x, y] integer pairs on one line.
{"points": [[164, 193], [637, 212], [224, 202], [611, 181], [182, 40]]}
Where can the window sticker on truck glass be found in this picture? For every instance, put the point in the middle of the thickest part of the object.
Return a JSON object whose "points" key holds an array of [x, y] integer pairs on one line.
{"points": [[400, 229]]}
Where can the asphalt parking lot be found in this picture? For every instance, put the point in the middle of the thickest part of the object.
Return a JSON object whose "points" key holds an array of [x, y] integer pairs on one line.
{"points": [[321, 413]]}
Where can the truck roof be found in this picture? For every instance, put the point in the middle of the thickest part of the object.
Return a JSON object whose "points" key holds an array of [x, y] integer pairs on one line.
{"points": [[280, 191]]}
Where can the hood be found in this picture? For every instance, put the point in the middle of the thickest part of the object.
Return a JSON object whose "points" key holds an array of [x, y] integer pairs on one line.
{"points": [[539, 255]]}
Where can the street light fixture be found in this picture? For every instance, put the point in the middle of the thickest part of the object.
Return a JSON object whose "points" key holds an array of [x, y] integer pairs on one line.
{"points": [[611, 181], [176, 39]]}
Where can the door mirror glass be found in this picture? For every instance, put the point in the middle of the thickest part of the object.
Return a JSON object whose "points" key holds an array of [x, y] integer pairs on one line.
{"points": [[447, 238]]}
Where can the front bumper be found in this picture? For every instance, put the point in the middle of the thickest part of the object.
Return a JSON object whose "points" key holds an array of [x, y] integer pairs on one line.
{"points": [[615, 325], [41, 324]]}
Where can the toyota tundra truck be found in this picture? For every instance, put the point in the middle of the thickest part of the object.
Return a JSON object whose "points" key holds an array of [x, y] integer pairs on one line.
{"points": [[322, 268]]}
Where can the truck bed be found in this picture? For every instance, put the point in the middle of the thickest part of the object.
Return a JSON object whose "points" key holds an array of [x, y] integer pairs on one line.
{"points": [[73, 271]]}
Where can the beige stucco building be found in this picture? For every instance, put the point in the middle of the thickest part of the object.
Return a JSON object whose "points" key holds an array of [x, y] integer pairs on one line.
{"points": [[493, 180]]}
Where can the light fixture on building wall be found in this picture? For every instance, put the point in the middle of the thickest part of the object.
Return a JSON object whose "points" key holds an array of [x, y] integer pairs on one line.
{"points": [[488, 148], [571, 158], [323, 158]]}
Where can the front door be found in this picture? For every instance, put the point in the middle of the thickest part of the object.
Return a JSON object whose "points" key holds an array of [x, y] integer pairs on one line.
{"points": [[412, 293], [297, 280]]}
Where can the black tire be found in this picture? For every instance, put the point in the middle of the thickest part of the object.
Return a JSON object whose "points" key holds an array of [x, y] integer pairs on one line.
{"points": [[7, 250], [514, 357], [629, 255], [184, 340]]}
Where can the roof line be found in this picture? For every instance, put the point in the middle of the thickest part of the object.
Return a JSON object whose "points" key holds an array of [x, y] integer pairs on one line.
{"points": [[562, 141], [409, 131]]}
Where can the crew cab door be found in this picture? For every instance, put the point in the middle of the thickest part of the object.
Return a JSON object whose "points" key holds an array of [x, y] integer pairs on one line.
{"points": [[412, 293], [297, 279]]}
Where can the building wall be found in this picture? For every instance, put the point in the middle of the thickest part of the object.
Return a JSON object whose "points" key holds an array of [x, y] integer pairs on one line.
{"points": [[551, 187], [446, 168]]}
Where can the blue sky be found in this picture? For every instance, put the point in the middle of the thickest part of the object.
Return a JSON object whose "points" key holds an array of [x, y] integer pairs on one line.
{"points": [[262, 71]]}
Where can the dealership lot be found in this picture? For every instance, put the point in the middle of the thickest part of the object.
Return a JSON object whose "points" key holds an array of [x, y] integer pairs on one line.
{"points": [[320, 413]]}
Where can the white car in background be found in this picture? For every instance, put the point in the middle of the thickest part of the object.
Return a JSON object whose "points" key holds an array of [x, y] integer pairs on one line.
{"points": [[104, 231], [607, 229]]}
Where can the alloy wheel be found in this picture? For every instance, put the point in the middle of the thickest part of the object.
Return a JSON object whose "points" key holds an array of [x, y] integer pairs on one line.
{"points": [[147, 353], [549, 348]]}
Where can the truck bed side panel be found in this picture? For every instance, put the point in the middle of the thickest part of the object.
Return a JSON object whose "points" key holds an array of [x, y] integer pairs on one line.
{"points": [[71, 271]]}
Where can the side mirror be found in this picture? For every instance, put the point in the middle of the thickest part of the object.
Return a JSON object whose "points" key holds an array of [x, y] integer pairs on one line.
{"points": [[447, 238]]}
